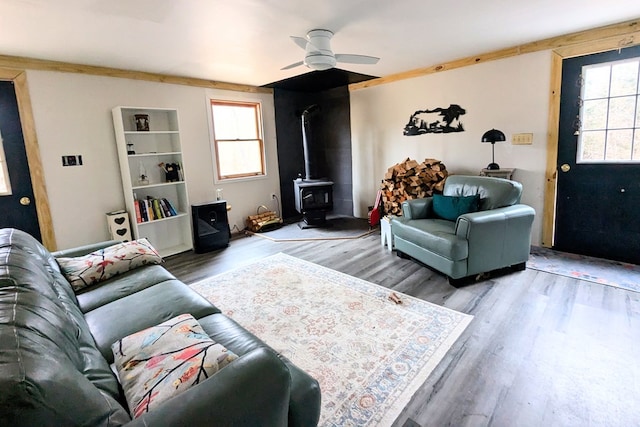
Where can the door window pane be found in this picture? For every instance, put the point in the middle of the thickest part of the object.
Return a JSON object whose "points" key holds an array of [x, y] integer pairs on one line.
{"points": [[596, 82], [595, 114], [5, 185], [622, 112], [610, 113], [619, 145], [624, 79], [636, 147], [592, 146]]}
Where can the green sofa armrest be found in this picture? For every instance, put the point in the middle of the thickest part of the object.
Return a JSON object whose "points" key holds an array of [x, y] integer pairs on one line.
{"points": [[252, 390], [417, 208], [84, 250], [497, 237]]}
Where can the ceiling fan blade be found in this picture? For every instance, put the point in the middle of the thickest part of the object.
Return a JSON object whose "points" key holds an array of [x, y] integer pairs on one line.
{"points": [[356, 59], [300, 41], [295, 64]]}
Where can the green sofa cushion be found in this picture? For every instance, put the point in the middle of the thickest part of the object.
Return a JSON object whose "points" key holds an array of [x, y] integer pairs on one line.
{"points": [[435, 235], [451, 207]]}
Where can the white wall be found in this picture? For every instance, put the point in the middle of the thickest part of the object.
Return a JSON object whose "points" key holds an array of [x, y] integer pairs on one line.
{"points": [[511, 95], [72, 114]]}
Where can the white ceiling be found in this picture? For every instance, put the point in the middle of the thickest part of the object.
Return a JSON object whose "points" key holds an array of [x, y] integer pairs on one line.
{"points": [[247, 41]]}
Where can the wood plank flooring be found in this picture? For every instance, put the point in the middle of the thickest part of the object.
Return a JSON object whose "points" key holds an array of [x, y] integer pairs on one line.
{"points": [[542, 350]]}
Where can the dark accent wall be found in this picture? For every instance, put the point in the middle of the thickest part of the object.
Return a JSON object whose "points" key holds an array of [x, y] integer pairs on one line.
{"points": [[330, 143]]}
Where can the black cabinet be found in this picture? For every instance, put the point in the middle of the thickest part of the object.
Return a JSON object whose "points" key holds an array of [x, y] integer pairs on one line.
{"points": [[210, 226]]}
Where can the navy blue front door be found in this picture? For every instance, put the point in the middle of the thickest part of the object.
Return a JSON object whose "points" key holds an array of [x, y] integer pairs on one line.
{"points": [[18, 209], [597, 201]]}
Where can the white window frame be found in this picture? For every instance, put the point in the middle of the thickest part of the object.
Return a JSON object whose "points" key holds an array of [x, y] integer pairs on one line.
{"points": [[634, 130], [218, 178], [4, 170]]}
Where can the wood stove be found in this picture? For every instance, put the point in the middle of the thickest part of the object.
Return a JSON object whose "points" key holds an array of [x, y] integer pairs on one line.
{"points": [[313, 198]]}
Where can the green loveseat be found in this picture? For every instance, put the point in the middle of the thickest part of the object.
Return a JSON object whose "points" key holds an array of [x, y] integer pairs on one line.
{"points": [[55, 350], [497, 235]]}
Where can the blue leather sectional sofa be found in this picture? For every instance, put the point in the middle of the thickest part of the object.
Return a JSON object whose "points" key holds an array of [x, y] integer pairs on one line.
{"points": [[55, 350]]}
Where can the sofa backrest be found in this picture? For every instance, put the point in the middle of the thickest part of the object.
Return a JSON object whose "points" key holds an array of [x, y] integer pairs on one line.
{"points": [[494, 192], [51, 372]]}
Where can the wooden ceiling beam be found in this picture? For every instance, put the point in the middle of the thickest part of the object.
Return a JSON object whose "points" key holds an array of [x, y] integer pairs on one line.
{"points": [[23, 63], [626, 31]]}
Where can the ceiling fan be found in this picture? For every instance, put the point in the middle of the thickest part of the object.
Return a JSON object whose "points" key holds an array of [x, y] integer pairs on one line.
{"points": [[319, 55]]}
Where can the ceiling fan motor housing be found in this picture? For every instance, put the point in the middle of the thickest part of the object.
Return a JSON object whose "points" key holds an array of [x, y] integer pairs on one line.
{"points": [[319, 55]]}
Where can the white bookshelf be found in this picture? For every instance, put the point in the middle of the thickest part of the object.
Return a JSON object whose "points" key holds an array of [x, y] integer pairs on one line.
{"points": [[160, 144]]}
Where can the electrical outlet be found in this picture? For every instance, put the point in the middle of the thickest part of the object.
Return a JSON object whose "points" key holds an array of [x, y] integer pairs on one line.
{"points": [[522, 139]]}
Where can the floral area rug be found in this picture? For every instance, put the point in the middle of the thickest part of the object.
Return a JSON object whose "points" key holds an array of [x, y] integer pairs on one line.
{"points": [[368, 353], [611, 273]]}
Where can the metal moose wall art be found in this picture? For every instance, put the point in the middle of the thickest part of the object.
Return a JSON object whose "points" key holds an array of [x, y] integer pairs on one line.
{"points": [[437, 120]]}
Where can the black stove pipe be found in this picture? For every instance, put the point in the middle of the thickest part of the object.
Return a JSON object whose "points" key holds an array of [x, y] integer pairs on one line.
{"points": [[305, 143]]}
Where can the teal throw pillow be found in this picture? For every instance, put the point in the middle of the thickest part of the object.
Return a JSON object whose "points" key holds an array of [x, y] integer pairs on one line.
{"points": [[451, 207]]}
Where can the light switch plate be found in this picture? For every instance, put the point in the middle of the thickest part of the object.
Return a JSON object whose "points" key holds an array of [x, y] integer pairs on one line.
{"points": [[72, 160], [522, 139]]}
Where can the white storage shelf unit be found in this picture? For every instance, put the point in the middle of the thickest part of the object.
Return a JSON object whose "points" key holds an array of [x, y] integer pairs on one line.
{"points": [[160, 144]]}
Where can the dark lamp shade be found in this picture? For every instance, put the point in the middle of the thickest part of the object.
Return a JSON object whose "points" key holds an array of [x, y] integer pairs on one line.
{"points": [[493, 135]]}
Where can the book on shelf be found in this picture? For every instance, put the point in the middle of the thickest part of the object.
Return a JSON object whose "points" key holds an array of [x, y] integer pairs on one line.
{"points": [[165, 209], [149, 210], [137, 208], [144, 215], [156, 209], [170, 207]]}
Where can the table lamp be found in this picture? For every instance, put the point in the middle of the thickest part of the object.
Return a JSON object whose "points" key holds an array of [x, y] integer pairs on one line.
{"points": [[493, 136]]}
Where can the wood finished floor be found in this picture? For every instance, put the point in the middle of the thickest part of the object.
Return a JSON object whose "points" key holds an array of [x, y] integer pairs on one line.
{"points": [[542, 350]]}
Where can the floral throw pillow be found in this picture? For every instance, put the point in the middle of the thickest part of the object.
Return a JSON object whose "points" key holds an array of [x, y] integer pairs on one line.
{"points": [[107, 262], [161, 362]]}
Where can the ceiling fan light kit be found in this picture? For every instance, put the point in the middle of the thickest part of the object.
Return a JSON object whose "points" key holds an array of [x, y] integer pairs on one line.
{"points": [[319, 61], [318, 53]]}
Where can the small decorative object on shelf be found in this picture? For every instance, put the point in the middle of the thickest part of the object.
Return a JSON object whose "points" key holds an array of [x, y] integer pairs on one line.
{"points": [[171, 171], [143, 178], [142, 122], [130, 150]]}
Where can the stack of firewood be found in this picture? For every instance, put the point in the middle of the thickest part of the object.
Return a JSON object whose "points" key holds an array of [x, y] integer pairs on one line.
{"points": [[260, 221], [411, 180]]}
